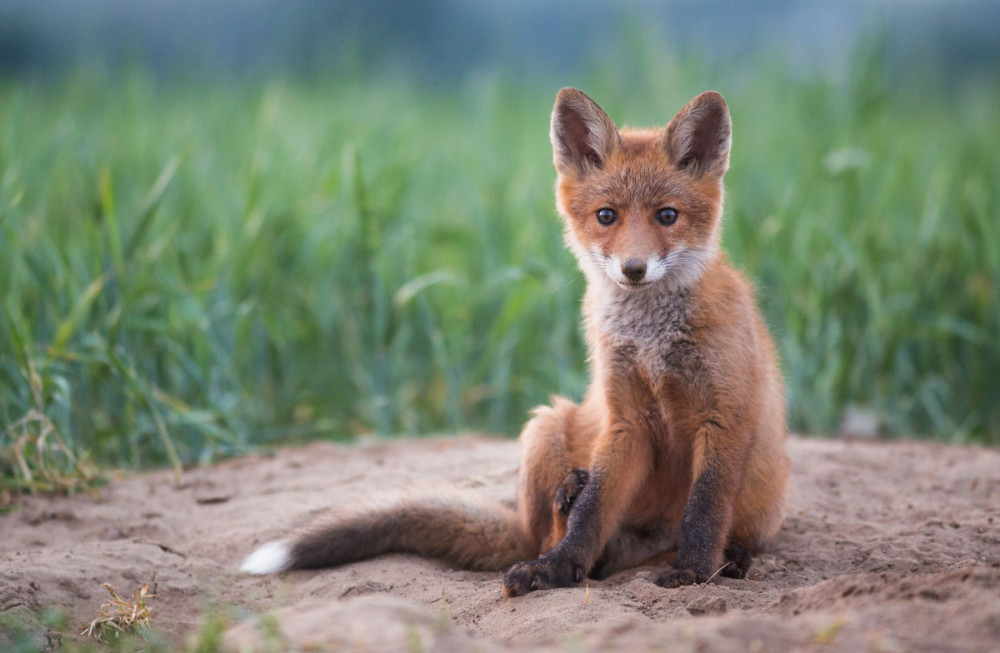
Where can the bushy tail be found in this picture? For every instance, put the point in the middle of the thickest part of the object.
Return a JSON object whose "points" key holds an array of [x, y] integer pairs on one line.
{"points": [[468, 531]]}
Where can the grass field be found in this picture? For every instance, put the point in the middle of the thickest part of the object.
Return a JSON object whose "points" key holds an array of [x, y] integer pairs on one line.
{"points": [[188, 270]]}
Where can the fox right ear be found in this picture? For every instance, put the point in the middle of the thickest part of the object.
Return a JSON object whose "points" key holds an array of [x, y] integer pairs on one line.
{"points": [[582, 134]]}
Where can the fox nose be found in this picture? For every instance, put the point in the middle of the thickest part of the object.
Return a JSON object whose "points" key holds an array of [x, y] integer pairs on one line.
{"points": [[634, 269]]}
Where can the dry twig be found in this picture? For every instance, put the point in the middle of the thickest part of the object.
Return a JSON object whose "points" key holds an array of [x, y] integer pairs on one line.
{"points": [[38, 457]]}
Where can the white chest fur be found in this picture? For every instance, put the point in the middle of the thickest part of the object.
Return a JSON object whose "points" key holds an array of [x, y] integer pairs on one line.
{"points": [[651, 327]]}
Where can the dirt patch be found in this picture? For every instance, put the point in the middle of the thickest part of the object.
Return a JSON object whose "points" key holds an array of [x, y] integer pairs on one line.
{"points": [[887, 547]]}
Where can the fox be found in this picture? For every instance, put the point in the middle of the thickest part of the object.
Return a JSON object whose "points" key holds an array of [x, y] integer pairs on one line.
{"points": [[676, 455]]}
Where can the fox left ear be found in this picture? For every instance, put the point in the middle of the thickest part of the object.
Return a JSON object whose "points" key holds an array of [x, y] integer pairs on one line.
{"points": [[699, 136]]}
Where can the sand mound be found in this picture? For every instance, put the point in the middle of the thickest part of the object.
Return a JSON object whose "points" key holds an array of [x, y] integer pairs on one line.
{"points": [[888, 546]]}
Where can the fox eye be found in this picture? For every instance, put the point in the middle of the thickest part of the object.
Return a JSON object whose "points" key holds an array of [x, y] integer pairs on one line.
{"points": [[666, 216], [606, 216]]}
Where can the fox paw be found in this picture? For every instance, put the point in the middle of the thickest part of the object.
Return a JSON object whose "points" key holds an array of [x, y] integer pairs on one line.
{"points": [[739, 560], [569, 489], [542, 574], [678, 577]]}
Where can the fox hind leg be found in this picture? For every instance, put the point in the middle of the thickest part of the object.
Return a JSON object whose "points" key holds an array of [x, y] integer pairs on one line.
{"points": [[546, 470], [566, 495]]}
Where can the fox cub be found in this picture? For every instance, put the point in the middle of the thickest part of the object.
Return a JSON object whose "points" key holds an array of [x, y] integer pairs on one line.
{"points": [[677, 452]]}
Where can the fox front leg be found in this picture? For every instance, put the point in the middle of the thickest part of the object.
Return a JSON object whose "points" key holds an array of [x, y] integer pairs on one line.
{"points": [[561, 566], [527, 576], [703, 530], [619, 467]]}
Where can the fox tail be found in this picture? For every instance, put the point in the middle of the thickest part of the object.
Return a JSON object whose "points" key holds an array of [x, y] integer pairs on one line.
{"points": [[468, 531]]}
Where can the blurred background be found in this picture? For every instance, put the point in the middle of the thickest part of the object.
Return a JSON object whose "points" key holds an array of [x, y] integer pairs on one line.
{"points": [[233, 222]]}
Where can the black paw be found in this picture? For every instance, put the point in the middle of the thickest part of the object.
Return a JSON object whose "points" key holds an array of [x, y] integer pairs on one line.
{"points": [[739, 559], [678, 577], [570, 488], [542, 574]]}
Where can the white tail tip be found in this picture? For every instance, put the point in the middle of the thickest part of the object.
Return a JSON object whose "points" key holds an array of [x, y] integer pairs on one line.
{"points": [[269, 558]]}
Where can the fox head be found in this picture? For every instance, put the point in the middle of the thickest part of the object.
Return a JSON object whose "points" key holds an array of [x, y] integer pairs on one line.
{"points": [[641, 207]]}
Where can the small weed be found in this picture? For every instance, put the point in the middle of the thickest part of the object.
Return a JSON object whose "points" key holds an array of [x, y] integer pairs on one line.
{"points": [[209, 638], [120, 615], [414, 643], [824, 635]]}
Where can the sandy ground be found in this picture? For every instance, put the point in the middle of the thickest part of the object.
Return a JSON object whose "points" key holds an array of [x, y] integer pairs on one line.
{"points": [[887, 547]]}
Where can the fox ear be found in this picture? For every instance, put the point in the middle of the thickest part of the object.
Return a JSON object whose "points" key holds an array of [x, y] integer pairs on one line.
{"points": [[582, 134], [699, 136]]}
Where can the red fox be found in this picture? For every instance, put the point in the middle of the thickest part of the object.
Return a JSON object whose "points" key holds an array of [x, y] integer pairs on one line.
{"points": [[678, 449]]}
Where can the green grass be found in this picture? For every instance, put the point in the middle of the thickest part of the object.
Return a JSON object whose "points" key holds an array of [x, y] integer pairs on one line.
{"points": [[188, 270]]}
